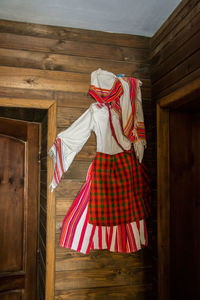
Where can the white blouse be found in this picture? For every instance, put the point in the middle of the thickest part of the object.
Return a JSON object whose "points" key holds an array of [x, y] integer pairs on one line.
{"points": [[96, 119]]}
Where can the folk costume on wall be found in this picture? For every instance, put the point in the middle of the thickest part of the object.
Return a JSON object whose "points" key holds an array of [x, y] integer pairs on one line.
{"points": [[111, 208]]}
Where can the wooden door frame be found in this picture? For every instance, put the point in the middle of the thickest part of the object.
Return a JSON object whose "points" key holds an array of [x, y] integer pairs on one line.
{"points": [[173, 100], [50, 106]]}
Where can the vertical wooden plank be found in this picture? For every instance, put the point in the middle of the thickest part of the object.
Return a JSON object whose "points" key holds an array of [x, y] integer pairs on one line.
{"points": [[163, 209], [196, 196], [33, 130], [50, 238]]}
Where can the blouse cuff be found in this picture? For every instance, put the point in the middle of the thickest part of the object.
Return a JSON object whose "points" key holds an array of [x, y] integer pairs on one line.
{"points": [[62, 157], [139, 146]]}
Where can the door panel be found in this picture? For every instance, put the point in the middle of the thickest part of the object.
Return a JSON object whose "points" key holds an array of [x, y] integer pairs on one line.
{"points": [[185, 213], [12, 154], [182, 206], [15, 295], [19, 174]]}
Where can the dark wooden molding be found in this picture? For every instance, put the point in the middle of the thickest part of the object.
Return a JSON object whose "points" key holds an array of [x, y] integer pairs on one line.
{"points": [[181, 95], [163, 203]]}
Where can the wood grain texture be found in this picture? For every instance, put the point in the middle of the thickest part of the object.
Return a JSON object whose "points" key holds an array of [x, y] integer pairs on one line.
{"points": [[13, 191], [28, 78], [33, 136], [66, 260], [172, 95], [178, 40], [73, 34], [11, 102], [177, 97], [180, 71], [177, 162], [67, 115], [196, 195], [77, 170], [17, 282], [33, 79], [30, 115], [69, 188], [79, 48], [50, 237], [25, 200], [64, 204], [73, 100], [27, 94], [54, 63], [177, 21], [43, 80], [169, 20], [11, 295], [163, 198], [177, 57], [98, 278], [46, 61], [181, 161], [33, 115], [112, 293], [189, 78], [175, 69], [175, 50]]}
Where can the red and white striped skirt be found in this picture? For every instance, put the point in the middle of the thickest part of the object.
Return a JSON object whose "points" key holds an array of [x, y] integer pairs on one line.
{"points": [[78, 234]]}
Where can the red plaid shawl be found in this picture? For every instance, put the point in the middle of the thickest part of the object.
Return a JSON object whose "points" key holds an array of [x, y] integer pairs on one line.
{"points": [[120, 190]]}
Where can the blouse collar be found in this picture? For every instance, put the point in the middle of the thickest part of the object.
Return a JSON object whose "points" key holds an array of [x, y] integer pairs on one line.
{"points": [[105, 87]]}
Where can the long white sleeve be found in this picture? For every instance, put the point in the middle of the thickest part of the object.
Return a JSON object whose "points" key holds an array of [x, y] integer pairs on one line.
{"points": [[140, 142], [68, 143], [76, 135]]}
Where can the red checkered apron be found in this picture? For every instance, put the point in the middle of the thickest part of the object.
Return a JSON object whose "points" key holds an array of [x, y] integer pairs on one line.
{"points": [[120, 190]]}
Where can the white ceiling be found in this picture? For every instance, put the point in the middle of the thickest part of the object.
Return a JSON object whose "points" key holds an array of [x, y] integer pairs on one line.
{"points": [[141, 17]]}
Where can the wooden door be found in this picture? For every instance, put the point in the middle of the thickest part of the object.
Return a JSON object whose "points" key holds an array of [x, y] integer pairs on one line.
{"points": [[178, 138], [182, 206], [196, 197], [184, 203], [19, 174]]}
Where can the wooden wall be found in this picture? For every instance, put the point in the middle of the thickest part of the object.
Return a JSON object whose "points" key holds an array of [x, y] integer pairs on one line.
{"points": [[175, 50], [46, 62]]}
